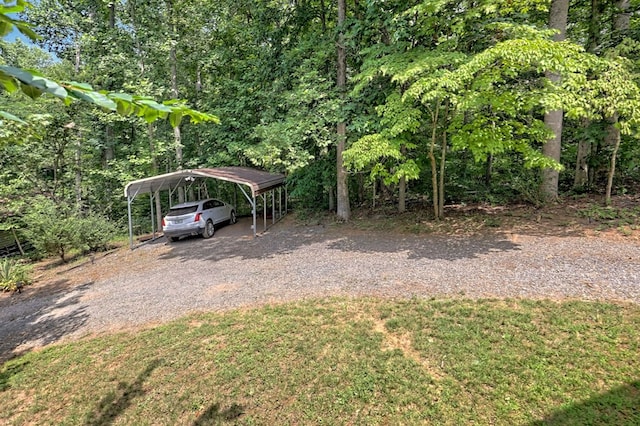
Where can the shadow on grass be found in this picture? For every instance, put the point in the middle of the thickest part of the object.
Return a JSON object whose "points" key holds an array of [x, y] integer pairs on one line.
{"points": [[10, 371], [620, 406], [287, 237], [40, 320], [117, 401], [215, 415]]}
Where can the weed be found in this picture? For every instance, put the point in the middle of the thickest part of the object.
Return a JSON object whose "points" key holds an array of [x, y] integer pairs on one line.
{"points": [[13, 275]]}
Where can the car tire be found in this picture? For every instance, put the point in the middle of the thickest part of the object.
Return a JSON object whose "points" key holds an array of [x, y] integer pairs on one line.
{"points": [[233, 219], [173, 239], [209, 229]]}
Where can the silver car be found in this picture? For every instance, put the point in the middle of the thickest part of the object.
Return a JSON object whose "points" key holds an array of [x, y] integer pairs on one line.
{"points": [[196, 217]]}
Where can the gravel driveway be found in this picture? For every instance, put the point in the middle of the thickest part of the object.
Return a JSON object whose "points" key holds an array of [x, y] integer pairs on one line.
{"points": [[159, 282]]}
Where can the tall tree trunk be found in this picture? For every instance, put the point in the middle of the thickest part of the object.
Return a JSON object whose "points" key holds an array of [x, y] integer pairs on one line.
{"points": [[432, 160], [443, 154], [154, 171], [173, 66], [581, 178], [620, 26], [488, 170], [614, 133], [78, 171], [343, 209], [553, 119], [323, 16], [402, 187], [621, 19], [112, 14]]}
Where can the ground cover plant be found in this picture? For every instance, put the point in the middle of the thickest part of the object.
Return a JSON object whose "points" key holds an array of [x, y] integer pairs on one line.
{"points": [[345, 361]]}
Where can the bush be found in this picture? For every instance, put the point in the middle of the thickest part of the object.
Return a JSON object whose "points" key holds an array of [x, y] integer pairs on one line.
{"points": [[13, 275], [56, 230], [95, 232], [50, 229]]}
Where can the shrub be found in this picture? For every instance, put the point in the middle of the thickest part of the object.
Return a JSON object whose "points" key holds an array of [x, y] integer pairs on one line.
{"points": [[95, 232], [57, 229], [50, 229], [13, 275]]}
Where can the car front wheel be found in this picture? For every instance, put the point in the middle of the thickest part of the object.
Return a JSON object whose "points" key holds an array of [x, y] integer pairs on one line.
{"points": [[209, 230], [233, 218]]}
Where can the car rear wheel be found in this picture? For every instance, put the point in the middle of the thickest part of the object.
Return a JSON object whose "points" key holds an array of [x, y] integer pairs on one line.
{"points": [[209, 229], [233, 218]]}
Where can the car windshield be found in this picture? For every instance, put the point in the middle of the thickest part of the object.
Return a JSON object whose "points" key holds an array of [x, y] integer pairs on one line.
{"points": [[179, 211]]}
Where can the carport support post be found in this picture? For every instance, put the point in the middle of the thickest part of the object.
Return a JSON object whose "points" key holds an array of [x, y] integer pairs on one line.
{"points": [[130, 223], [153, 222], [255, 216], [273, 206], [264, 210]]}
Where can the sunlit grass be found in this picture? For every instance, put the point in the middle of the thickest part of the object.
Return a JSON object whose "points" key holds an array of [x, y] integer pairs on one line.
{"points": [[344, 361]]}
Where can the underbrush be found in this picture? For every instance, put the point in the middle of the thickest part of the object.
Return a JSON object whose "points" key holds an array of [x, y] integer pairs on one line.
{"points": [[14, 274]]}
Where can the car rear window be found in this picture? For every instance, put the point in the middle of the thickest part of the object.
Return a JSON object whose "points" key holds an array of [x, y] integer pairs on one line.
{"points": [[182, 210]]}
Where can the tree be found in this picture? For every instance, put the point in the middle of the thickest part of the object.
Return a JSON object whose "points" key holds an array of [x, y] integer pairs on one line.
{"points": [[553, 119], [34, 85], [343, 211]]}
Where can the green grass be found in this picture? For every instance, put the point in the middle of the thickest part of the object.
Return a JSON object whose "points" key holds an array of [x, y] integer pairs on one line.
{"points": [[344, 361]]}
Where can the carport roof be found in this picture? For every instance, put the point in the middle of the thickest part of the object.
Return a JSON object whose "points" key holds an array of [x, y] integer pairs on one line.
{"points": [[259, 181]]}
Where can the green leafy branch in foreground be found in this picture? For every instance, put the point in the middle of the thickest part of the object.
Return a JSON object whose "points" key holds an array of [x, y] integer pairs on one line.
{"points": [[34, 84]]}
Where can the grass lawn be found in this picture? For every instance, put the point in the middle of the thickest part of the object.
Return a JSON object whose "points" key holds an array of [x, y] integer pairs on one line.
{"points": [[346, 361]]}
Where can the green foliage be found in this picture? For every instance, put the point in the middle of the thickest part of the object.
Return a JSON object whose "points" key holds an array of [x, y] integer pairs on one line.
{"points": [[50, 228], [95, 232], [55, 229], [13, 274], [267, 69]]}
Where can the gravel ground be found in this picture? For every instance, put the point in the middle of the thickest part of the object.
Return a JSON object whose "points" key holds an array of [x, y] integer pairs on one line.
{"points": [[159, 282]]}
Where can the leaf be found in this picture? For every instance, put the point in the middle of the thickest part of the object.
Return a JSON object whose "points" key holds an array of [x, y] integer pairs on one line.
{"points": [[121, 97], [31, 91], [151, 115], [155, 105], [10, 116], [175, 119], [9, 83], [76, 85], [32, 79]]}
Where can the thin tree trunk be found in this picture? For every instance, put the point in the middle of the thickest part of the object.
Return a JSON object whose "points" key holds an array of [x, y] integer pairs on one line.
{"points": [[432, 159], [443, 154], [488, 170], [332, 200], [323, 16], [112, 14], [402, 195], [620, 26], [78, 167], [343, 209], [612, 165], [553, 119], [155, 171], [581, 178], [173, 65], [402, 188]]}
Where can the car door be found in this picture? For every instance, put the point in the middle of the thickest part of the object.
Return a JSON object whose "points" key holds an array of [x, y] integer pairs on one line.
{"points": [[219, 211]]}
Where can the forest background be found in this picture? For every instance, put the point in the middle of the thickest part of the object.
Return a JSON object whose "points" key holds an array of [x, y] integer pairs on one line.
{"points": [[359, 103]]}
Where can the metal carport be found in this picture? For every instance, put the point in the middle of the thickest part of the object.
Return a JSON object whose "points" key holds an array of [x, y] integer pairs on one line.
{"points": [[260, 183]]}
